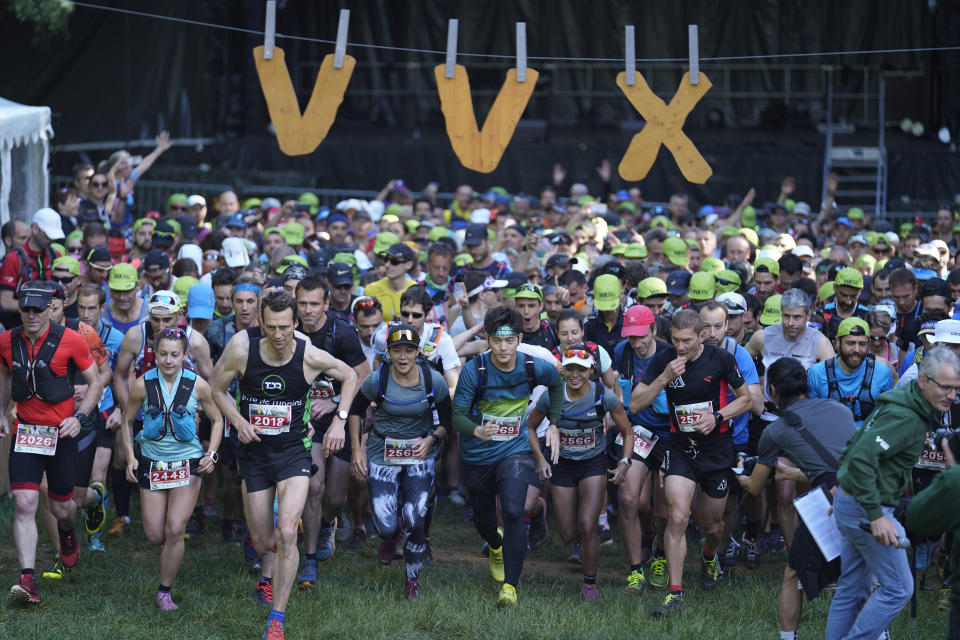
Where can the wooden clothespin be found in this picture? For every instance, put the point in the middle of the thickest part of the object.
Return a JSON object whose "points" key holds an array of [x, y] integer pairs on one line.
{"points": [[694, 54], [630, 53], [451, 47], [341, 47], [521, 52], [270, 30]]}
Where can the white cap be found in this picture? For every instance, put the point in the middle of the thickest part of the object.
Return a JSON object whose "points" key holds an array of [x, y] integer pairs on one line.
{"points": [[802, 250], [893, 237], [801, 208], [734, 303], [375, 208], [195, 200], [480, 216], [940, 245], [927, 249], [235, 252], [583, 362], [787, 241], [946, 331], [192, 251], [49, 222]]}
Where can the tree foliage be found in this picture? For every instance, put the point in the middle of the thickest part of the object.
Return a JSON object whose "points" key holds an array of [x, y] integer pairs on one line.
{"points": [[48, 17]]}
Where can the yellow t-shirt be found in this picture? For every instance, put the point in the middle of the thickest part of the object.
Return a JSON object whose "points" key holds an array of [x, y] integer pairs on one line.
{"points": [[389, 299]]}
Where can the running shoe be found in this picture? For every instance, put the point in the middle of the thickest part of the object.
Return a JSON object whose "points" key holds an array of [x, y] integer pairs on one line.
{"points": [[537, 536], [574, 557], [589, 593], [731, 556], [943, 602], [95, 545], [456, 498], [357, 539], [467, 517], [636, 581], [671, 605], [924, 555], [274, 630], [56, 572], [26, 591], [773, 542], [484, 550], [344, 528], [751, 552], [308, 575], [164, 601], [507, 597], [606, 535], [327, 542], [69, 548], [94, 517], [411, 591], [229, 532], [250, 556], [263, 593], [710, 572], [387, 550], [658, 573], [120, 526], [495, 562]]}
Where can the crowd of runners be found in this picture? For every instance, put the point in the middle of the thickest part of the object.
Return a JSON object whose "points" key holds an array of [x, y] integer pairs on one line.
{"points": [[313, 377]]}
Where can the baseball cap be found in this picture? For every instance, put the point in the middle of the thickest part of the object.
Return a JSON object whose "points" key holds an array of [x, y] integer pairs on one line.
{"points": [[399, 333], [713, 265], [801, 209], [200, 301], [123, 277], [292, 232], [734, 303], [488, 283], [849, 277], [163, 302], [188, 227], [678, 282], [35, 294], [803, 251], [750, 235], [703, 286], [70, 263], [182, 286], [195, 200], [401, 251], [651, 287], [385, 240], [580, 357], [855, 213], [606, 292], [771, 311], [843, 220], [142, 221], [767, 264], [727, 281], [675, 249], [98, 254], [164, 235], [525, 290], [859, 238], [635, 251], [946, 331], [156, 258], [558, 259], [854, 326], [475, 234], [636, 321], [339, 273], [825, 291], [49, 222], [234, 252]]}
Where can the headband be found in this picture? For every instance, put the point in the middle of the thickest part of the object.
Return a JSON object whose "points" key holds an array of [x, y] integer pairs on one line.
{"points": [[246, 286], [506, 331]]}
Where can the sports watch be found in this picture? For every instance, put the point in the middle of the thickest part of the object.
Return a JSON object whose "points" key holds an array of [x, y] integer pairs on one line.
{"points": [[213, 455], [628, 461], [718, 417], [343, 415]]}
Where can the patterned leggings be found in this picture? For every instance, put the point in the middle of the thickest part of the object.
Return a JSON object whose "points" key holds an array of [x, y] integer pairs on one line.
{"points": [[388, 484]]}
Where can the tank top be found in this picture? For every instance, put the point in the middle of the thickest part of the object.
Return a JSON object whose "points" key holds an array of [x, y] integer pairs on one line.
{"points": [[146, 359], [275, 399], [122, 327], [775, 346]]}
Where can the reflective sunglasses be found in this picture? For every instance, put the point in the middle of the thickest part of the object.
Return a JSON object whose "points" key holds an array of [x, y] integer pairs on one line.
{"points": [[175, 333], [416, 315], [582, 354], [211, 255], [402, 334]]}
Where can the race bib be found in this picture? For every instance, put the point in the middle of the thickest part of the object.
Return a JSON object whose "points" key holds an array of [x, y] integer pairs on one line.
{"points": [[931, 459], [399, 451], [169, 475], [272, 419], [687, 414], [643, 441], [508, 428], [577, 439], [321, 389], [36, 439]]}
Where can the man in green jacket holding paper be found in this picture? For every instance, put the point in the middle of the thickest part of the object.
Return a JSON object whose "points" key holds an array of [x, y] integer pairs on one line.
{"points": [[874, 471]]}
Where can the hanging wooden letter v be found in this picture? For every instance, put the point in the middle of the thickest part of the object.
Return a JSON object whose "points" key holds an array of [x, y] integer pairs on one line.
{"points": [[299, 134], [482, 150]]}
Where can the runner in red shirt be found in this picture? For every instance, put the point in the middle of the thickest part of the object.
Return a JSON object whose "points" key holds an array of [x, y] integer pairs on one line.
{"points": [[38, 366]]}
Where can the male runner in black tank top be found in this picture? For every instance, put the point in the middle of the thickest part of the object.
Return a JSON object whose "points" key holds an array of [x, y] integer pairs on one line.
{"points": [[271, 415]]}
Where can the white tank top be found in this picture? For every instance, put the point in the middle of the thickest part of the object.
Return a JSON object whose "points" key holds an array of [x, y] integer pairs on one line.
{"points": [[775, 346]]}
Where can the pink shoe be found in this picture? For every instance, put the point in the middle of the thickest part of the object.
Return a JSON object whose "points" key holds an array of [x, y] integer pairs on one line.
{"points": [[412, 590], [165, 602], [590, 593]]}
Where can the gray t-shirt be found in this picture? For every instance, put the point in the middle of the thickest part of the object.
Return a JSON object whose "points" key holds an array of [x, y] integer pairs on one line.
{"points": [[829, 422], [405, 413], [579, 424]]}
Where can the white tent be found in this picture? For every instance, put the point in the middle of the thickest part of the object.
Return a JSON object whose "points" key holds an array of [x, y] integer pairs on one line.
{"points": [[24, 154]]}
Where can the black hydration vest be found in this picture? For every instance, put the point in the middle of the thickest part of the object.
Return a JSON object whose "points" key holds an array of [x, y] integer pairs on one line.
{"points": [[33, 377], [481, 363], [864, 396]]}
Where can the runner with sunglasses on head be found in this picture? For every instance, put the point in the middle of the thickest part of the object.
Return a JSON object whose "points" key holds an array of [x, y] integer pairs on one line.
{"points": [[271, 413], [171, 456], [489, 411], [577, 467], [39, 362], [399, 460]]}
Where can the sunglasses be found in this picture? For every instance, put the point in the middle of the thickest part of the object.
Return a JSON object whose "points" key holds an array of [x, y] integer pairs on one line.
{"points": [[403, 334], [365, 303], [64, 279], [164, 234], [34, 310], [172, 332], [416, 315], [878, 339], [77, 249], [582, 354], [163, 299], [211, 255], [99, 267], [395, 261], [177, 207], [98, 184]]}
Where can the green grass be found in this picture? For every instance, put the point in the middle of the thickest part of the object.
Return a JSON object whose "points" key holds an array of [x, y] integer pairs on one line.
{"points": [[111, 596]]}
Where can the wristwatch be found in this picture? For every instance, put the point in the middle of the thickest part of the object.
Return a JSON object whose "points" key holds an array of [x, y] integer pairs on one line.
{"points": [[343, 415], [628, 461], [213, 455], [718, 417], [80, 417]]}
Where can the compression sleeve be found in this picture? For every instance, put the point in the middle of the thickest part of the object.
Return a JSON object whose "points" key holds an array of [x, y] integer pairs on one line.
{"points": [[555, 389], [462, 421]]}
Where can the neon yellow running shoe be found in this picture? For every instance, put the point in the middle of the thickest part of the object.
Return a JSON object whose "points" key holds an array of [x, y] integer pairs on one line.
{"points": [[636, 582], [658, 573], [495, 561], [56, 573], [507, 597], [672, 605]]}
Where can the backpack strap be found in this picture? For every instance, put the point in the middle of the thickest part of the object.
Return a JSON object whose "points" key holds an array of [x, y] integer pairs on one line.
{"points": [[530, 367], [833, 387], [184, 392], [730, 345], [598, 400], [426, 373], [481, 365], [626, 362], [382, 379], [796, 422], [866, 395], [154, 397]]}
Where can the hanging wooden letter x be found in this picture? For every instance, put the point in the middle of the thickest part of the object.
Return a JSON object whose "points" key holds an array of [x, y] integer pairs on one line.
{"points": [[664, 125]]}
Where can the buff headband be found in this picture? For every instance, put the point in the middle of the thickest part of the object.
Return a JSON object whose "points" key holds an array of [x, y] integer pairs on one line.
{"points": [[246, 286], [506, 331]]}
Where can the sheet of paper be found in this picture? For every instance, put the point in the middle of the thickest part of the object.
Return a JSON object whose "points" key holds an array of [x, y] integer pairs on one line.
{"points": [[812, 509]]}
